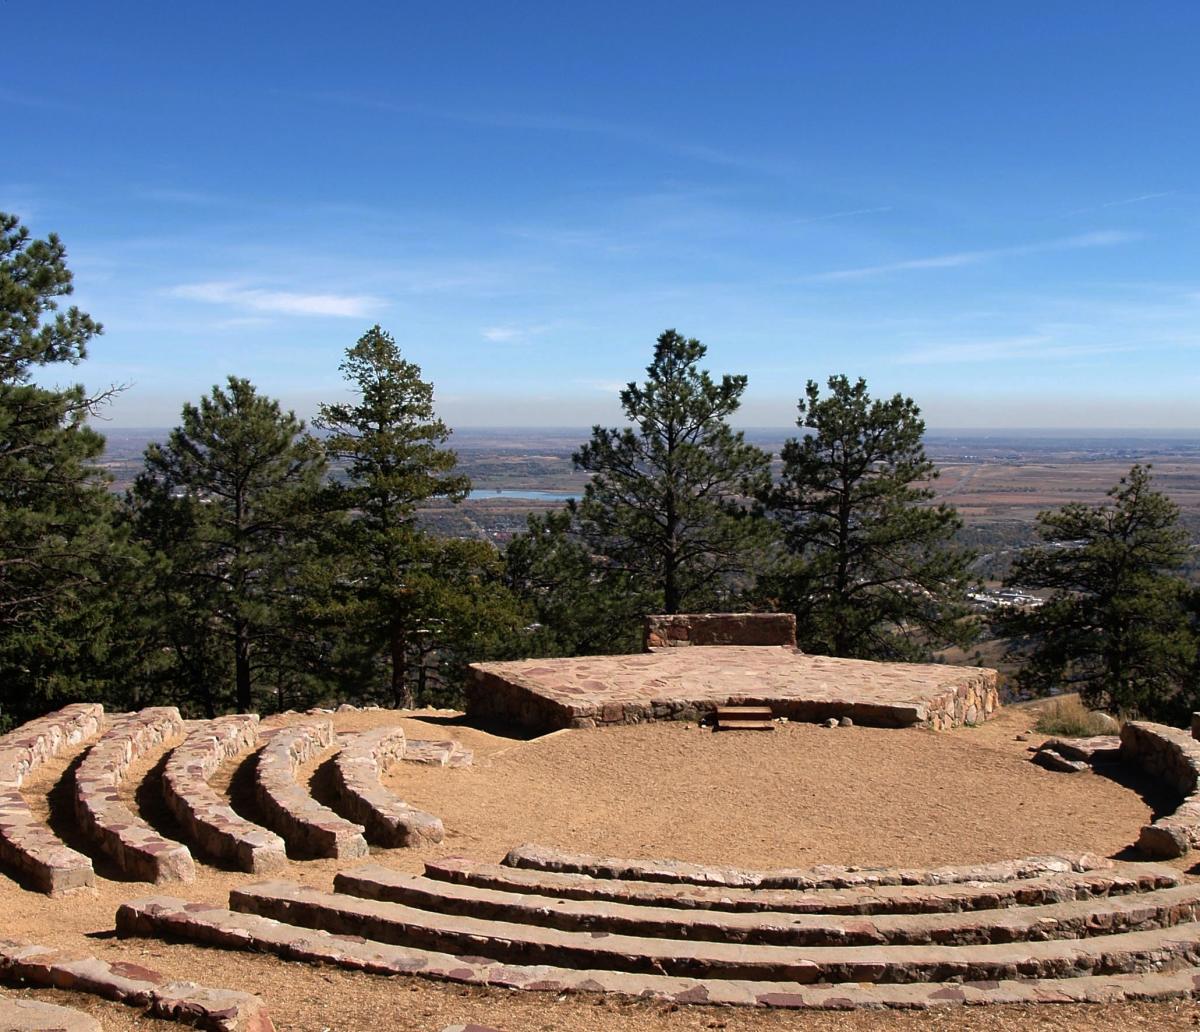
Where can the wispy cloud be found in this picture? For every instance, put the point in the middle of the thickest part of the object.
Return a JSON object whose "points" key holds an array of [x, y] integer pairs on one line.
{"points": [[1137, 199], [282, 302], [957, 259], [565, 123], [840, 215]]}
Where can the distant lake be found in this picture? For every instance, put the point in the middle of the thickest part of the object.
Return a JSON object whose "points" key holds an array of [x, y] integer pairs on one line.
{"points": [[536, 496]]}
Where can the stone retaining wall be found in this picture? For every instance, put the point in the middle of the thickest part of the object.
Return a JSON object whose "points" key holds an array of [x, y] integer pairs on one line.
{"points": [[676, 629], [388, 819], [310, 829], [1172, 756], [211, 823], [138, 849], [26, 843]]}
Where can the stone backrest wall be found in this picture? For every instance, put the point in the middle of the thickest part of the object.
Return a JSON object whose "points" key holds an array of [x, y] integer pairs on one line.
{"points": [[388, 819], [309, 828], [1172, 756], [32, 744], [214, 826], [678, 629], [136, 847], [26, 843]]}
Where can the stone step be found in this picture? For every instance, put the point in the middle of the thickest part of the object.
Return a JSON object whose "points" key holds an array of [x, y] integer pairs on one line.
{"points": [[35, 1016], [174, 919], [883, 899], [1097, 749], [744, 713], [547, 858], [739, 724], [523, 944], [448, 753], [1053, 760], [1076, 919]]}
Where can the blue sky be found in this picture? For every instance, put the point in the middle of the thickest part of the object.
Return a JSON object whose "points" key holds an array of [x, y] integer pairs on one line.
{"points": [[992, 208]]}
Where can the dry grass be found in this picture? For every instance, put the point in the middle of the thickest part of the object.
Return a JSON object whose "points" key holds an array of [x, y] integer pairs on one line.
{"points": [[1068, 717]]}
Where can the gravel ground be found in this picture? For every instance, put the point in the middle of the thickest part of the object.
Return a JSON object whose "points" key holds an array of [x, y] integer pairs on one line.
{"points": [[797, 796]]}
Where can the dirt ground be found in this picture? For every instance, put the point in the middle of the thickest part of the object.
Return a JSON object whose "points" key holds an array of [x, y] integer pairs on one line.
{"points": [[798, 796]]}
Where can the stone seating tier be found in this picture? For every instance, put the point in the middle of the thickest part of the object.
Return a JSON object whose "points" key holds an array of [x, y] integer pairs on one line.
{"points": [[1126, 879], [1074, 919], [544, 858], [212, 824], [165, 917], [388, 820], [139, 851], [309, 828], [1139, 949], [27, 844]]}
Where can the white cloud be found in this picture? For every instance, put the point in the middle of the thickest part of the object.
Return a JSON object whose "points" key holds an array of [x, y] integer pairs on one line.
{"points": [[956, 259], [502, 334], [283, 302], [1032, 348]]}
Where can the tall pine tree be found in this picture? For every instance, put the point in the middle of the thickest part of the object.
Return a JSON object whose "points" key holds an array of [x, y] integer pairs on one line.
{"points": [[666, 504], [59, 554], [411, 600], [873, 571], [230, 501]]}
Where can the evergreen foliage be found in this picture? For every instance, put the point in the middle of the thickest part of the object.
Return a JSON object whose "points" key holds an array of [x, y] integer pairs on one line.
{"points": [[582, 608], [1114, 626], [60, 554], [412, 600], [666, 503], [872, 572], [230, 504]]}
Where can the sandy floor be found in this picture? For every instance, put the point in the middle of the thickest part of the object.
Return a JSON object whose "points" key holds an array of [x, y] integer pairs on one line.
{"points": [[797, 796]]}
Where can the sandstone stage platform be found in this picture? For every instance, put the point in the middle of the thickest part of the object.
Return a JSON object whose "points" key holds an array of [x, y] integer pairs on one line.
{"points": [[689, 683]]}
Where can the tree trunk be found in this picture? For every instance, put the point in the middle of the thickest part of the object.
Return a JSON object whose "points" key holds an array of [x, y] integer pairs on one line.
{"points": [[241, 647], [402, 696]]}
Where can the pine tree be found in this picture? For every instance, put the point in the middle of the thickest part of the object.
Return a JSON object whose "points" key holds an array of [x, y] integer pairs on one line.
{"points": [[230, 501], [59, 552], [666, 504], [410, 598], [873, 572], [582, 608], [1114, 626]]}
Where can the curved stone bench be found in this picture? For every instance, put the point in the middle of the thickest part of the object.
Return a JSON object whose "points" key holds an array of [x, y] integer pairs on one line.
{"points": [[388, 819], [139, 851], [211, 823], [1076, 919], [545, 858], [1123, 880], [26, 843], [219, 1010], [1141, 950], [1172, 757], [174, 919], [308, 828]]}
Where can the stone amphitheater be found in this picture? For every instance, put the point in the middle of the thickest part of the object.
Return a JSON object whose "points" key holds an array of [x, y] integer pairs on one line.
{"points": [[358, 869]]}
